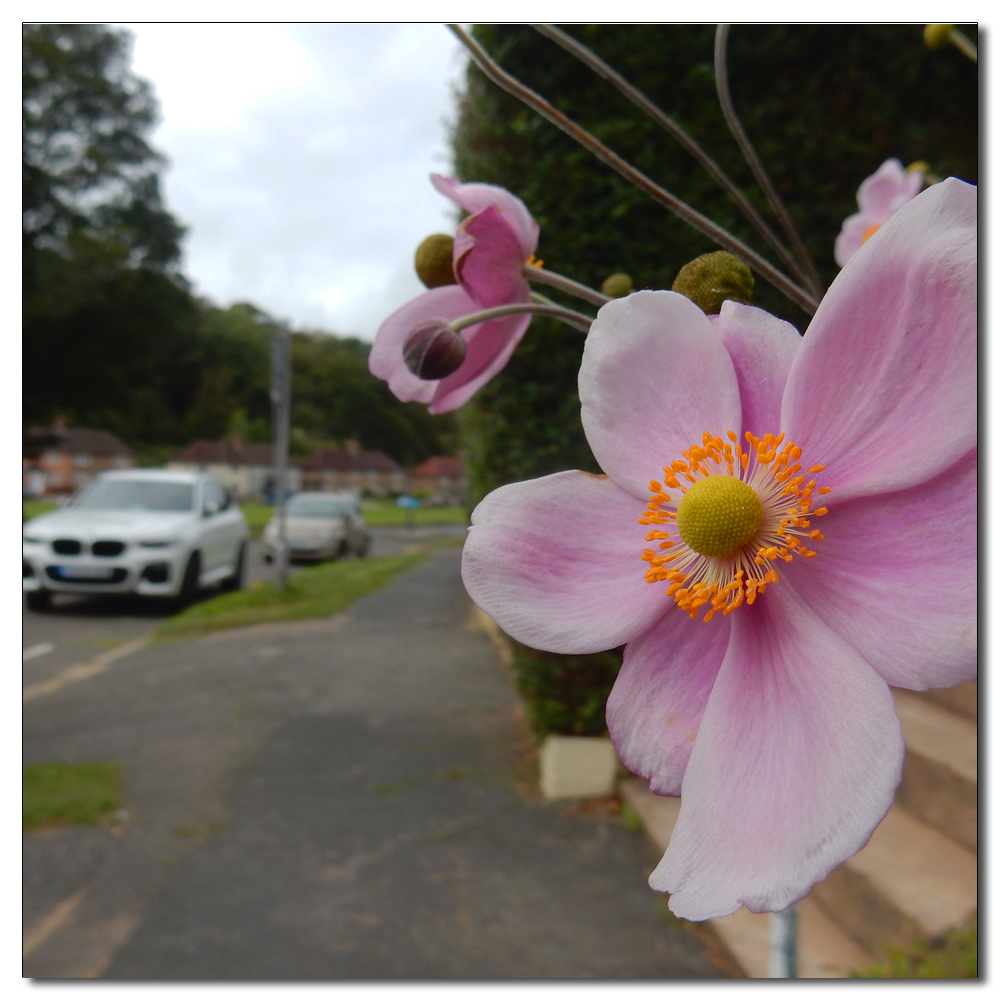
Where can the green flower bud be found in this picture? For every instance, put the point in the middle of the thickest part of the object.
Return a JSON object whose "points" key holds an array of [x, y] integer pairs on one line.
{"points": [[617, 286], [919, 166], [433, 261], [434, 350], [937, 36], [712, 278]]}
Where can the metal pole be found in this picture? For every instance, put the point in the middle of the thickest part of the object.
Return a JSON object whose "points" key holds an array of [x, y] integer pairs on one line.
{"points": [[782, 959], [281, 398]]}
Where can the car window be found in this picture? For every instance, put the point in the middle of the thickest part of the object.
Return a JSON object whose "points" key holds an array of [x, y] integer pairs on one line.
{"points": [[136, 495], [307, 506], [214, 496]]}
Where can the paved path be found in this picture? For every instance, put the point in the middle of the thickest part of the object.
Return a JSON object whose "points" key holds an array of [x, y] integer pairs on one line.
{"points": [[336, 799]]}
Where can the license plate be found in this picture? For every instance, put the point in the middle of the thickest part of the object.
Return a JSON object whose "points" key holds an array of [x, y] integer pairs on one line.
{"points": [[86, 572]]}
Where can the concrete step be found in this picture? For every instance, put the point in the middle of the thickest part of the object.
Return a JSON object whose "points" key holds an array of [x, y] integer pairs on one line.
{"points": [[962, 699], [825, 951], [940, 773], [908, 883]]}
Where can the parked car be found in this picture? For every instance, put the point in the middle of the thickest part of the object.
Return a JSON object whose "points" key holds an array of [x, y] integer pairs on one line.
{"points": [[145, 531], [320, 526]]}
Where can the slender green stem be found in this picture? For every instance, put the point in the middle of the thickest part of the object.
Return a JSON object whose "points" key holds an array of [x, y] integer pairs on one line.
{"points": [[767, 270], [641, 101], [578, 320], [735, 126], [564, 284]]}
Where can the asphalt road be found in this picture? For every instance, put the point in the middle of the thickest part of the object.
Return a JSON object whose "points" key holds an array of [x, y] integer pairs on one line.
{"points": [[78, 629], [341, 799]]}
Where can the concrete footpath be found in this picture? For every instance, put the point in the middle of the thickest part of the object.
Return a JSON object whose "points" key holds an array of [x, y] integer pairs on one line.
{"points": [[347, 798]]}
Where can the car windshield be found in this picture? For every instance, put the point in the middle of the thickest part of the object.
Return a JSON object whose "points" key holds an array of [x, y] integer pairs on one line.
{"points": [[306, 506], [137, 495]]}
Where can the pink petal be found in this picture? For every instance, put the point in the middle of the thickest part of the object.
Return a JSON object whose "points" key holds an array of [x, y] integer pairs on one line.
{"points": [[654, 378], [852, 235], [488, 259], [883, 389], [386, 358], [796, 762], [656, 706], [762, 348], [896, 577], [557, 563], [490, 347], [878, 195], [474, 198]]}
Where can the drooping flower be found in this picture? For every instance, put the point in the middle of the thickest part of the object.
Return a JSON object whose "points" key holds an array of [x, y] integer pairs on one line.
{"points": [[491, 246], [786, 527], [879, 197]]}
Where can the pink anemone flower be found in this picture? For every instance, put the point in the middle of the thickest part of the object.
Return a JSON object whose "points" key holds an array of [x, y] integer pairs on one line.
{"points": [[787, 526], [491, 246], [879, 197]]}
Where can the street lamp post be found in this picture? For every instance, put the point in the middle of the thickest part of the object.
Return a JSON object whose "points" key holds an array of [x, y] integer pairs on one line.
{"points": [[281, 397]]}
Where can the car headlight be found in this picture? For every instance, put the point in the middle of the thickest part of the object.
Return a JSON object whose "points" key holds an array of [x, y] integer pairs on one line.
{"points": [[158, 543], [31, 541]]}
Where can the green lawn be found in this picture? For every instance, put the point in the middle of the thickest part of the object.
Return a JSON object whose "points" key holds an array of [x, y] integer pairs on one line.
{"points": [[70, 793], [32, 508], [312, 593], [955, 956], [385, 514], [257, 515]]}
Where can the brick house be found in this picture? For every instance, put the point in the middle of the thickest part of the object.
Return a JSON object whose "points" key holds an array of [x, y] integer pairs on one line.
{"points": [[246, 469], [61, 459], [441, 478], [352, 467]]}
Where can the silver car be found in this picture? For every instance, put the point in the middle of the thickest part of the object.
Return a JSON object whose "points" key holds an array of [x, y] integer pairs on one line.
{"points": [[143, 531], [319, 526]]}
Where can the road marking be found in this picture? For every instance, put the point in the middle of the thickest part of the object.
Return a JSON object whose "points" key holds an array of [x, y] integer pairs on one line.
{"points": [[81, 671], [40, 650], [51, 922]]}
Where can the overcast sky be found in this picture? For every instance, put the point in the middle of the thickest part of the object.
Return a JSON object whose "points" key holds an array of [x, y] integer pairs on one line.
{"points": [[299, 160]]}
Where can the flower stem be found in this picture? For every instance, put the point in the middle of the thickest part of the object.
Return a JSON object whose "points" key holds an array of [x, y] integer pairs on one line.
{"points": [[569, 316], [774, 199], [767, 270], [964, 45], [641, 101], [564, 284]]}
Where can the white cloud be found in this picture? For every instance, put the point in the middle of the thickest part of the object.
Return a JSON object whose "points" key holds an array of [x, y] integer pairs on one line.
{"points": [[299, 159]]}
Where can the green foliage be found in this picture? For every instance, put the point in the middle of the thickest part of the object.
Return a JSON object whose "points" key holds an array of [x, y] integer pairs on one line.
{"points": [[565, 694], [70, 793], [953, 956], [824, 105], [311, 593], [258, 516], [33, 508]]}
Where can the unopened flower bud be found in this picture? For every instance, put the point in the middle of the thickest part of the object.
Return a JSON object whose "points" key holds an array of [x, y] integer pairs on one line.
{"points": [[712, 278], [919, 167], [433, 261], [937, 36], [434, 350], [617, 286]]}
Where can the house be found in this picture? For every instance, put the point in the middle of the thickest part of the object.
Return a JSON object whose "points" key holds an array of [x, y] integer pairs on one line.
{"points": [[441, 478], [61, 459], [246, 469], [352, 467]]}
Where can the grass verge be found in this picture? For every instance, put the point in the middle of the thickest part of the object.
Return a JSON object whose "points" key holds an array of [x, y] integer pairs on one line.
{"points": [[953, 956], [315, 592], [70, 793], [257, 515], [32, 508], [385, 514]]}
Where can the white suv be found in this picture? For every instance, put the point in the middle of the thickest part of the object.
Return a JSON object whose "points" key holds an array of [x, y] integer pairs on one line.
{"points": [[146, 531]]}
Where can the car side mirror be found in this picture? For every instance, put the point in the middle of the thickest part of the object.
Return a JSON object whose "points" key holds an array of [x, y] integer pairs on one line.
{"points": [[211, 507]]}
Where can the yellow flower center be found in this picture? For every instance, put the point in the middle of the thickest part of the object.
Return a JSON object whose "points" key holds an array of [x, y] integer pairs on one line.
{"points": [[729, 514], [719, 515]]}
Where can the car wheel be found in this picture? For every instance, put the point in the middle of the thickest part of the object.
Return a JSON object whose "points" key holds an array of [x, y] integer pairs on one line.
{"points": [[342, 550], [235, 582], [190, 584], [365, 546], [39, 600]]}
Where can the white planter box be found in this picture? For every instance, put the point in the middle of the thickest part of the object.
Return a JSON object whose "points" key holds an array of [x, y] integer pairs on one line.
{"points": [[578, 767]]}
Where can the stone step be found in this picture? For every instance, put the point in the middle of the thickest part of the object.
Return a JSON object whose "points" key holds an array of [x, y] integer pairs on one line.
{"points": [[962, 699], [825, 951], [909, 882], [940, 772]]}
